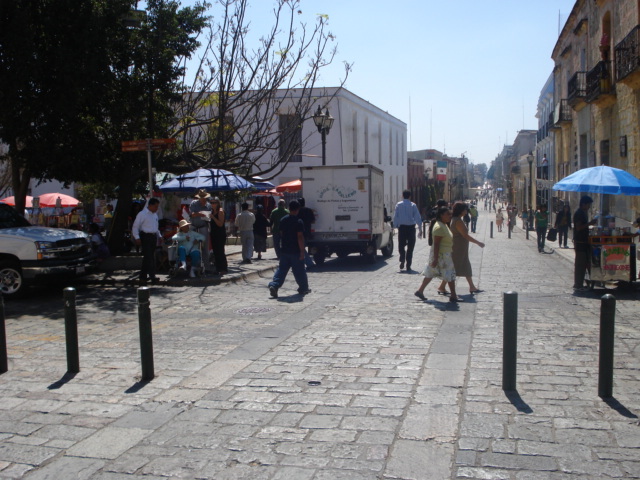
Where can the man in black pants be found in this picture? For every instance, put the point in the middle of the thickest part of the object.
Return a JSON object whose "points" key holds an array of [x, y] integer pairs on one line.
{"points": [[405, 218], [145, 232]]}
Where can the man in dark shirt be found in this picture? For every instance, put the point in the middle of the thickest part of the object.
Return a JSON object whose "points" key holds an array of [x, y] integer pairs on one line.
{"points": [[306, 215], [581, 242], [292, 253]]}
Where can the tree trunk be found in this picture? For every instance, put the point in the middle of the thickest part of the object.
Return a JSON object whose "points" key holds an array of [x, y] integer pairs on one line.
{"points": [[120, 224], [20, 178]]}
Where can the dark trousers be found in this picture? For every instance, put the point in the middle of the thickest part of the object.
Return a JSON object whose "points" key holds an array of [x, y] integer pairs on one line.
{"points": [[581, 266], [563, 233], [406, 239], [474, 221], [148, 241], [218, 241], [291, 261], [542, 235]]}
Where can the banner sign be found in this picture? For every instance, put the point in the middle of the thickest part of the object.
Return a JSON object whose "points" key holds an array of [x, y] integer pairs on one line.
{"points": [[442, 171]]}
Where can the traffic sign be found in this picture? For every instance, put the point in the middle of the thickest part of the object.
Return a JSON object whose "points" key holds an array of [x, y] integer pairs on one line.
{"points": [[148, 144]]}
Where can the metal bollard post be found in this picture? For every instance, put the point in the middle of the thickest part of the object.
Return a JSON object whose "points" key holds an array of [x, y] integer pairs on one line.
{"points": [[509, 340], [526, 229], [4, 359], [491, 229], [509, 229], [71, 330], [607, 324], [146, 340]]}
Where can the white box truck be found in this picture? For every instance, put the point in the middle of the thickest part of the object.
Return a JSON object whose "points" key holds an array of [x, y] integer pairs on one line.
{"points": [[350, 215]]}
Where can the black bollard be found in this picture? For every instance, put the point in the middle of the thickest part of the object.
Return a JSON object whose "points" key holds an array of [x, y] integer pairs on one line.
{"points": [[71, 330], [607, 324], [526, 229], [4, 359], [146, 339], [509, 229], [491, 229], [509, 340]]}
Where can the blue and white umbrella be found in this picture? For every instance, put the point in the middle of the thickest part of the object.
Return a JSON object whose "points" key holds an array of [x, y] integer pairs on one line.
{"points": [[602, 179], [210, 179]]}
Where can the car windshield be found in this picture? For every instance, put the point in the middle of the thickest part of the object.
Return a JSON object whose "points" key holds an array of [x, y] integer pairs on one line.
{"points": [[9, 218]]}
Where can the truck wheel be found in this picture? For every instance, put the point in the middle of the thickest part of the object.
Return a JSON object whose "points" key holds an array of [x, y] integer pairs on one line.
{"points": [[388, 250], [11, 281], [319, 259]]}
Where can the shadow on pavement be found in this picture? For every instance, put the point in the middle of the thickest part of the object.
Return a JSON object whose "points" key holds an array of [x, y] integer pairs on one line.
{"points": [[618, 407], [517, 401]]}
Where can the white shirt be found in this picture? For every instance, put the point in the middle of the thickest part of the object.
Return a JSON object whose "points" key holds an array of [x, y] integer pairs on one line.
{"points": [[147, 222]]}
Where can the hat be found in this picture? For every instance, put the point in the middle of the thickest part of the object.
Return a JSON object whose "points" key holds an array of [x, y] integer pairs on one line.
{"points": [[183, 223], [202, 193], [585, 199]]}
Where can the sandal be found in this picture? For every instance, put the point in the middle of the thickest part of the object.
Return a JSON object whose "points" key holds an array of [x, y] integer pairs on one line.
{"points": [[456, 299], [420, 295], [477, 290], [440, 292]]}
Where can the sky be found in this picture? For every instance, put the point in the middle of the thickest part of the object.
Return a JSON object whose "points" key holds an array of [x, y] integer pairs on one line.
{"points": [[464, 75]]}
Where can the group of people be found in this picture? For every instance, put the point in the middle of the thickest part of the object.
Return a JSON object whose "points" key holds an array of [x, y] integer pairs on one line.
{"points": [[449, 257]]}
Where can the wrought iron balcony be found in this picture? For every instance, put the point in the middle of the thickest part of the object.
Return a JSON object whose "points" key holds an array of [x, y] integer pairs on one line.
{"points": [[562, 113], [577, 89], [627, 54], [599, 81]]}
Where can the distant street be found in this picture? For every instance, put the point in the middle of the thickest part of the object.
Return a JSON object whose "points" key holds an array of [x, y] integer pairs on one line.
{"points": [[357, 380]]}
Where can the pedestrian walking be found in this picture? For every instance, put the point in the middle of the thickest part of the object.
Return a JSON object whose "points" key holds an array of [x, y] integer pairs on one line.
{"points": [[308, 218], [145, 234], [499, 219], [581, 225], [275, 217], [406, 216], [440, 262], [291, 253], [512, 214], [460, 249], [218, 236], [245, 222], [473, 211], [563, 224], [525, 218], [542, 222], [260, 227], [200, 213]]}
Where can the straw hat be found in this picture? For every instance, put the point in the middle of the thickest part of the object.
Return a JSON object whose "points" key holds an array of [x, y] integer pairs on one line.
{"points": [[202, 193], [183, 223]]}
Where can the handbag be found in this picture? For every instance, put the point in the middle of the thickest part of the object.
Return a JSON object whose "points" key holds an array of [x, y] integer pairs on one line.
{"points": [[552, 234]]}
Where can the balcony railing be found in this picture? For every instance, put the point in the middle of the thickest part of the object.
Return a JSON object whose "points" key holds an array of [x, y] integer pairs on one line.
{"points": [[627, 54], [562, 112], [599, 81], [577, 88]]}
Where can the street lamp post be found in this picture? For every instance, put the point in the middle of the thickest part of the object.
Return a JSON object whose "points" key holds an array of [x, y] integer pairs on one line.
{"points": [[530, 160], [324, 121]]}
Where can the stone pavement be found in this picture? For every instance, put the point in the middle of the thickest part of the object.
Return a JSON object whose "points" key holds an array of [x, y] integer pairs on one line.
{"points": [[358, 380]]}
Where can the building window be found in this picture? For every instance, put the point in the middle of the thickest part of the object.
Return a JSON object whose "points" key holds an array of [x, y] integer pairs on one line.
{"points": [[290, 137], [604, 153]]}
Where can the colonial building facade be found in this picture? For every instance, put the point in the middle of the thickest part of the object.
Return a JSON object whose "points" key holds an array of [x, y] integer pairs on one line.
{"points": [[596, 114]]}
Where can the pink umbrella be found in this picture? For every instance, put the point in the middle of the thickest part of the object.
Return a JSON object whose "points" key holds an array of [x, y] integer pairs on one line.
{"points": [[12, 201], [51, 200]]}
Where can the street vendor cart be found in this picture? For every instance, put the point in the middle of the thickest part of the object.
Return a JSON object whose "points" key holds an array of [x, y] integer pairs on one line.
{"points": [[613, 258]]}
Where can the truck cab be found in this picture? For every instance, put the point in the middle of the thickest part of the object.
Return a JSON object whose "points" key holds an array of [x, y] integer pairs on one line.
{"points": [[31, 254]]}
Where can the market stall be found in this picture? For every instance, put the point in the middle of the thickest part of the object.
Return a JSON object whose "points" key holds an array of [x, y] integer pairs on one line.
{"points": [[612, 248]]}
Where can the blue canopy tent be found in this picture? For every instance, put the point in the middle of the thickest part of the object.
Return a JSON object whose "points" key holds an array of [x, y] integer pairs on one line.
{"points": [[210, 179]]}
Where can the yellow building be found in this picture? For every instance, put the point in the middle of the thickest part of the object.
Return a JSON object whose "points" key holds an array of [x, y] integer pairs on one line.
{"points": [[597, 95]]}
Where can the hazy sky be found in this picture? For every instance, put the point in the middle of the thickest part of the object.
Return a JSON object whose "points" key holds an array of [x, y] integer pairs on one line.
{"points": [[464, 75]]}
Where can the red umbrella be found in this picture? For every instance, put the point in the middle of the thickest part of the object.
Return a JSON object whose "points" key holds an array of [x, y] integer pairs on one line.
{"points": [[50, 200], [290, 187], [12, 201]]}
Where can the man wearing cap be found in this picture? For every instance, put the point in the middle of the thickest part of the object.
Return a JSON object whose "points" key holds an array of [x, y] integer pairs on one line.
{"points": [[200, 212], [186, 240], [581, 242]]}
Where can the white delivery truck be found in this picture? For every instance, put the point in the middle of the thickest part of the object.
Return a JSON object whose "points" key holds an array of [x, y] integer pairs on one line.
{"points": [[350, 215]]}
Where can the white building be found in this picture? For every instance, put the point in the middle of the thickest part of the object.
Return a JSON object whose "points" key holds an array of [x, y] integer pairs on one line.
{"points": [[361, 133]]}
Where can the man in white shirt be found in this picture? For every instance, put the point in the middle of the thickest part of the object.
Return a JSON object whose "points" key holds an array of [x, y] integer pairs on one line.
{"points": [[405, 219], [145, 233], [245, 222]]}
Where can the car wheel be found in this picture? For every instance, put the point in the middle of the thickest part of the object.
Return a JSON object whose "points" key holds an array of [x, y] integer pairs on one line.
{"points": [[11, 281]]}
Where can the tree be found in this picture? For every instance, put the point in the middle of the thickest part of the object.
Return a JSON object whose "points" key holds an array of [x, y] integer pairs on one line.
{"points": [[246, 105]]}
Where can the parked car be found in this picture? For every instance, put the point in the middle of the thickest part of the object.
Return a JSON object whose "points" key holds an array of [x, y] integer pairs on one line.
{"points": [[31, 254]]}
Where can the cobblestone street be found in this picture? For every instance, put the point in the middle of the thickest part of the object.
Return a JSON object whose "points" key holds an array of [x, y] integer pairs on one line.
{"points": [[357, 380]]}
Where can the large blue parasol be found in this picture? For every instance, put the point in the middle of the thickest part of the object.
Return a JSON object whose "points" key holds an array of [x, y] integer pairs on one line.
{"points": [[602, 179], [211, 179]]}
